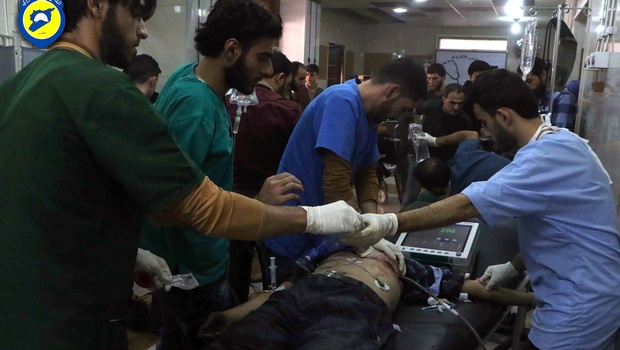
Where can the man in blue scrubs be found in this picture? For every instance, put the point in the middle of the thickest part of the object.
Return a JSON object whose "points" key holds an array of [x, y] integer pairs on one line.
{"points": [[334, 147], [568, 235]]}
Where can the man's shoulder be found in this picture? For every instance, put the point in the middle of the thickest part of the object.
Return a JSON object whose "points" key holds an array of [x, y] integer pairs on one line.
{"points": [[341, 93], [469, 144], [269, 99], [74, 68], [465, 120], [185, 89], [430, 106]]}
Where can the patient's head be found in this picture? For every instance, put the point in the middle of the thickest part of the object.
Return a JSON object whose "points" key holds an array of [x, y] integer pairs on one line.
{"points": [[433, 175]]}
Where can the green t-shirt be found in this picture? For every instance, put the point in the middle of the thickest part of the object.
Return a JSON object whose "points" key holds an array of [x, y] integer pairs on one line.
{"points": [[83, 156], [198, 119]]}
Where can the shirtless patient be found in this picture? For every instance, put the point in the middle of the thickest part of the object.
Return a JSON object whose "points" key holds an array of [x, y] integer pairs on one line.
{"points": [[347, 302]]}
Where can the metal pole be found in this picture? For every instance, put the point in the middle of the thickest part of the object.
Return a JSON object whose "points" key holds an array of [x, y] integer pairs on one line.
{"points": [[554, 61], [6, 17], [17, 50]]}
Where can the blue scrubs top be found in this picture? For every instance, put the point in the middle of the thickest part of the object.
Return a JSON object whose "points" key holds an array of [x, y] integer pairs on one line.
{"points": [[471, 164], [335, 120], [568, 236]]}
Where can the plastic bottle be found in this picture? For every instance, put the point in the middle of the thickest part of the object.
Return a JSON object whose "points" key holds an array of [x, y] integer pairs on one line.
{"points": [[324, 246], [528, 48], [420, 146]]}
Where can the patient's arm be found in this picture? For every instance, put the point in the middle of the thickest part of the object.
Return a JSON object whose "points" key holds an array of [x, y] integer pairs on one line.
{"points": [[477, 291], [237, 313], [456, 138]]}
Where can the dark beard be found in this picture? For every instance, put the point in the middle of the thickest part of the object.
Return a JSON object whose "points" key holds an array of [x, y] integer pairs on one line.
{"points": [[113, 43], [382, 113], [505, 142], [282, 89], [237, 78], [293, 86]]}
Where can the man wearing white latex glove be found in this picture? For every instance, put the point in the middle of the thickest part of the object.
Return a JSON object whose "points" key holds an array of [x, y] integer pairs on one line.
{"points": [[496, 274], [156, 267], [337, 218], [333, 152], [569, 239], [377, 227], [389, 249], [429, 139]]}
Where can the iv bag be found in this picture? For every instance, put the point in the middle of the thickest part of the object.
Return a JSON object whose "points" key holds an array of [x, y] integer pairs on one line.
{"points": [[528, 48], [242, 101], [420, 147]]}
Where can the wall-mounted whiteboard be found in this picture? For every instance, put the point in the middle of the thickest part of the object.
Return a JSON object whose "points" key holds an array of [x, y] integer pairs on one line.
{"points": [[457, 62]]}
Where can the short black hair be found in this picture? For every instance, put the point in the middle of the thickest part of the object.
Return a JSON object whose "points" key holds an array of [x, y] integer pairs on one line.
{"points": [[406, 73], [295, 67], [281, 64], [75, 10], [454, 87], [433, 174], [312, 68], [235, 19], [499, 88], [436, 68], [479, 66], [142, 68]]}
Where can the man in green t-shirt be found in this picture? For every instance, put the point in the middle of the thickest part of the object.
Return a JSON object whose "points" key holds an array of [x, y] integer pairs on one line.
{"points": [[237, 50], [84, 156]]}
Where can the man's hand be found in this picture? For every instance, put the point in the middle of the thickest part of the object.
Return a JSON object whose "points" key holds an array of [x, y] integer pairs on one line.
{"points": [[391, 250], [334, 218], [155, 267], [495, 274], [279, 189], [430, 140], [377, 227]]}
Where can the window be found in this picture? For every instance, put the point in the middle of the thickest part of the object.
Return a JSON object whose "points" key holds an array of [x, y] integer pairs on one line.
{"points": [[473, 44]]}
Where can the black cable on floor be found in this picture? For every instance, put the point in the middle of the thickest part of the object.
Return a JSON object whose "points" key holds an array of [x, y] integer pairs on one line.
{"points": [[448, 307]]}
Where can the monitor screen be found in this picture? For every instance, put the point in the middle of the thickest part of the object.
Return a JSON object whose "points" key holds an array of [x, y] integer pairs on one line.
{"points": [[449, 238]]}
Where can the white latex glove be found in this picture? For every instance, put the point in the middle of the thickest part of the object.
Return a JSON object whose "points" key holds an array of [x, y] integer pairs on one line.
{"points": [[156, 267], [495, 274], [430, 140], [334, 218], [377, 227], [391, 250]]}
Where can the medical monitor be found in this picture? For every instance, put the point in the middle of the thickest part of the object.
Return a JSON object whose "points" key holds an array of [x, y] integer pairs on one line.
{"points": [[448, 245]]}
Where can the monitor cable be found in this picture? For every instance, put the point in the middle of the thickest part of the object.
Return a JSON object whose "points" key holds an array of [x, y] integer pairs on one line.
{"points": [[447, 307]]}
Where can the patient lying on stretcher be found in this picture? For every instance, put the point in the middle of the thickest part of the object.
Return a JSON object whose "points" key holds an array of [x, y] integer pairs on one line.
{"points": [[347, 302]]}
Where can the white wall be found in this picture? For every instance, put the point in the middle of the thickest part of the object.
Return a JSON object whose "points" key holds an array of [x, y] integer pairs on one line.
{"points": [[8, 16], [423, 41], [171, 34], [341, 30], [292, 44], [8, 19], [599, 103]]}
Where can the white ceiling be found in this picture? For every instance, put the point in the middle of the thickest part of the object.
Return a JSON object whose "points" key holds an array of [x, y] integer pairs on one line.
{"points": [[434, 13]]}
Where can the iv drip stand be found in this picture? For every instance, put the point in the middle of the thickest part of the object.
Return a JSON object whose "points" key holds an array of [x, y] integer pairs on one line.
{"points": [[559, 11]]}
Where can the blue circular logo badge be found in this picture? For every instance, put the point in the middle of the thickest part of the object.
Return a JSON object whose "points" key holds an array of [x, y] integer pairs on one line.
{"points": [[41, 22]]}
